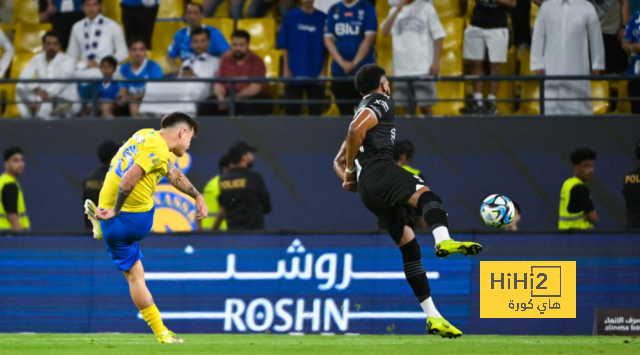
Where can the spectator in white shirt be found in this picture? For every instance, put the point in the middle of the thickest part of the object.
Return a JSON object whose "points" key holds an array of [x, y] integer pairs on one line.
{"points": [[7, 55], [93, 38], [48, 99], [200, 65], [417, 44]]}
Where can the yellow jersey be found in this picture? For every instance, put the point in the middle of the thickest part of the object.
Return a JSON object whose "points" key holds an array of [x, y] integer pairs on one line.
{"points": [[148, 149]]}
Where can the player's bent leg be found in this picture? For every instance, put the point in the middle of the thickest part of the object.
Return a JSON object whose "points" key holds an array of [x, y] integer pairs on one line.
{"points": [[142, 299], [90, 211], [434, 214], [417, 279]]}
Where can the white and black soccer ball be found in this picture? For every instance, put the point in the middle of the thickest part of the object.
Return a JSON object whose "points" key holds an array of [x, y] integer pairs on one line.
{"points": [[497, 211]]}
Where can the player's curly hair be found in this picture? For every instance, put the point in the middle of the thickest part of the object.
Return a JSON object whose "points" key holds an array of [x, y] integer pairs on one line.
{"points": [[582, 154], [174, 118], [368, 78]]}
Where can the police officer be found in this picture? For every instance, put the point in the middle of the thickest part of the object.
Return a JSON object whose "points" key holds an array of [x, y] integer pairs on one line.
{"points": [[13, 212], [93, 182], [576, 207], [631, 192], [244, 199], [211, 194]]}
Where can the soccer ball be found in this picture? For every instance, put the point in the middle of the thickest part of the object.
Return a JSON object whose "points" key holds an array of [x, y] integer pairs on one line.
{"points": [[497, 211]]}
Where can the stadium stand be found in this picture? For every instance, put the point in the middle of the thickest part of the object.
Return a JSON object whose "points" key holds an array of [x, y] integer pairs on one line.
{"points": [[25, 11], [600, 89], [528, 89], [623, 106], [28, 37], [171, 9], [112, 10], [262, 31], [451, 64], [162, 36], [20, 61], [454, 28], [447, 8], [225, 25], [273, 63]]}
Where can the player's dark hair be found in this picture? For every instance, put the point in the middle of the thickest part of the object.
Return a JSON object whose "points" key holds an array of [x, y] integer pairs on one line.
{"points": [[174, 118], [410, 149], [368, 78], [223, 162], [106, 151], [50, 34], [135, 39], [398, 149], [109, 60], [241, 34], [11, 151], [199, 6], [199, 31], [517, 206], [582, 154]]}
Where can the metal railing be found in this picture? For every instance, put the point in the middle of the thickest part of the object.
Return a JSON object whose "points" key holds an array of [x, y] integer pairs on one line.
{"points": [[410, 104]]}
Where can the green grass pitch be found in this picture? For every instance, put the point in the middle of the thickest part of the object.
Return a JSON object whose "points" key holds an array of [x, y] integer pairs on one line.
{"points": [[122, 344]]}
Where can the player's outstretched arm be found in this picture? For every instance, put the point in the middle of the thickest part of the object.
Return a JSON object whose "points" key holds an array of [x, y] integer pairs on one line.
{"points": [[180, 182], [339, 163], [127, 184]]}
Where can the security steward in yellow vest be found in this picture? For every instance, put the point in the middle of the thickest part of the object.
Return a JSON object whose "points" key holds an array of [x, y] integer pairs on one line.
{"points": [[13, 212], [631, 192], [576, 207], [92, 183], [211, 194]]}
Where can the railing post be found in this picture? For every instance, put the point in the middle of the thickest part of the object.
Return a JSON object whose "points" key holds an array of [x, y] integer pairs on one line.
{"points": [[541, 96], [232, 99], [411, 105], [94, 99]]}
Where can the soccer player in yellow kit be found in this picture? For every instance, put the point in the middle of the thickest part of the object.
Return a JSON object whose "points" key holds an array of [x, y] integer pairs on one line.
{"points": [[125, 211]]}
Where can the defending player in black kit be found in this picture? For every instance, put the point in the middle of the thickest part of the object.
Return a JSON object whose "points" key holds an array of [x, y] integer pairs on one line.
{"points": [[366, 165]]}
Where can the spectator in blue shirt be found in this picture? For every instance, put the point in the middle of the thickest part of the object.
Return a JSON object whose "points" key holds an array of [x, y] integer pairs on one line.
{"points": [[138, 18], [349, 36], [62, 14], [631, 44], [181, 45], [138, 68], [108, 91], [301, 31]]}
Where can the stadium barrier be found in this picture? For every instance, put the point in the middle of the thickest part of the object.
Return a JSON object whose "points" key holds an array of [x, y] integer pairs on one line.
{"points": [[295, 283], [538, 96]]}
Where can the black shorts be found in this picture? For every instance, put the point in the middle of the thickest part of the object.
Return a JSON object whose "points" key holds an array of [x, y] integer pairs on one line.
{"points": [[385, 189]]}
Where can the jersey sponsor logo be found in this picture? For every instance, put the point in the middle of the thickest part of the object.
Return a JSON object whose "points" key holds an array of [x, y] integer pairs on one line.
{"points": [[376, 111], [348, 14], [361, 15], [174, 211], [345, 29], [155, 160], [307, 28], [383, 104], [393, 135]]}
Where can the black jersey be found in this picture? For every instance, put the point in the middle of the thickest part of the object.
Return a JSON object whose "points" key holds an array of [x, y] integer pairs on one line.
{"points": [[379, 141], [489, 14]]}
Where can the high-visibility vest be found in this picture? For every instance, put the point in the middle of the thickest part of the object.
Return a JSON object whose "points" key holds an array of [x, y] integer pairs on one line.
{"points": [[211, 193], [568, 220], [6, 179], [413, 171]]}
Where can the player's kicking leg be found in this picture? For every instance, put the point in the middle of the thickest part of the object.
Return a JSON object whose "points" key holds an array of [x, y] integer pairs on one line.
{"points": [[431, 207], [417, 278], [143, 300], [90, 211]]}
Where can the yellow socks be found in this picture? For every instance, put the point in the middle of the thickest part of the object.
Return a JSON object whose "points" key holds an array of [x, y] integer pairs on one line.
{"points": [[152, 316]]}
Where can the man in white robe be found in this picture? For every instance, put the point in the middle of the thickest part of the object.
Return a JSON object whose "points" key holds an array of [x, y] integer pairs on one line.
{"points": [[45, 100], [566, 38]]}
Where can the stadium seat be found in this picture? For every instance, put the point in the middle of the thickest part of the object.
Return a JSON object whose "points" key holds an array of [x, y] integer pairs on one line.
{"points": [[171, 9], [382, 11], [451, 64], [163, 33], [467, 15], [454, 28], [600, 89], [262, 31], [19, 62], [112, 10], [528, 89], [533, 14], [385, 59], [225, 25], [28, 37], [447, 8], [273, 63], [25, 11], [623, 106]]}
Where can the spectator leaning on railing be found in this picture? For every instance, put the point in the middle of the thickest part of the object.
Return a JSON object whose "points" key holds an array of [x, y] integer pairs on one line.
{"points": [[45, 100], [417, 44], [62, 14], [304, 56], [349, 36], [567, 40], [631, 44]]}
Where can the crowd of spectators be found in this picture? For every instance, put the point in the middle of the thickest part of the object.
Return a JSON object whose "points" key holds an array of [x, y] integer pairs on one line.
{"points": [[570, 37]]}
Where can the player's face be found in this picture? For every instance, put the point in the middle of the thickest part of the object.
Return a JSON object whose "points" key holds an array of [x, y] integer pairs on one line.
{"points": [[239, 47], [15, 164], [200, 43], [249, 159], [138, 52], [184, 141], [51, 46], [107, 70], [193, 16], [91, 8], [585, 170]]}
